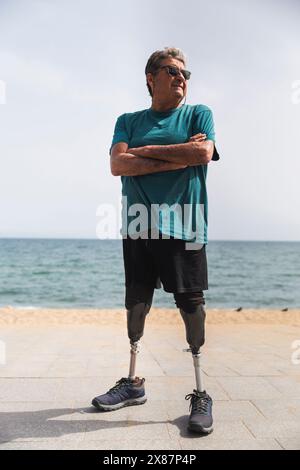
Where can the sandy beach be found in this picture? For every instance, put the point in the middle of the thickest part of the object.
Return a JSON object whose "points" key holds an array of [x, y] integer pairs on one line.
{"points": [[157, 316]]}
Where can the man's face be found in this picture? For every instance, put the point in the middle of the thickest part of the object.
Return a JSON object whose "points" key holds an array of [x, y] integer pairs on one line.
{"points": [[165, 86]]}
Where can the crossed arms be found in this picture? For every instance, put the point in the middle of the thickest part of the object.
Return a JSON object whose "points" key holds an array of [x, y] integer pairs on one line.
{"points": [[126, 161]]}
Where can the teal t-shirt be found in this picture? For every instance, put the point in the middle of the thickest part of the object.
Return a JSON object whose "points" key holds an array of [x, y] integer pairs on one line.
{"points": [[172, 202]]}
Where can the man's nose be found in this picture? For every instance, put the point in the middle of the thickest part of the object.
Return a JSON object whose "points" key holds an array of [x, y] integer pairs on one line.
{"points": [[179, 78]]}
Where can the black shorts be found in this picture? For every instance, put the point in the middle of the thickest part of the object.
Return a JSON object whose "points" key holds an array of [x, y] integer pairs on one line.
{"points": [[150, 262]]}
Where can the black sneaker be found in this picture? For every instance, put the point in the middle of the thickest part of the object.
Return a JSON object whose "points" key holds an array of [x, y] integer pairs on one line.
{"points": [[200, 420], [125, 393]]}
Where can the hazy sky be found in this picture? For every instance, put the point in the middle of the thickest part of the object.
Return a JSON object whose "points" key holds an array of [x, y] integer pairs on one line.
{"points": [[71, 67]]}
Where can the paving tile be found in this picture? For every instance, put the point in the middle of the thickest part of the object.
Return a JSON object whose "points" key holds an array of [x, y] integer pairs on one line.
{"points": [[130, 444], [279, 409], [39, 445], [33, 430], [108, 429], [234, 410], [255, 368], [222, 430], [207, 443], [274, 428], [30, 421], [172, 388], [29, 389], [219, 371], [248, 388], [290, 444], [288, 386]]}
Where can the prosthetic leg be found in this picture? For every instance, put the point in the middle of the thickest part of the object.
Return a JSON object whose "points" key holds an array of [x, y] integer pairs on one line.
{"points": [[136, 316], [128, 391], [200, 420], [194, 325]]}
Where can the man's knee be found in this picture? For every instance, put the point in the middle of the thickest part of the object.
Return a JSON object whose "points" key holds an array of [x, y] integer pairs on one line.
{"points": [[189, 301]]}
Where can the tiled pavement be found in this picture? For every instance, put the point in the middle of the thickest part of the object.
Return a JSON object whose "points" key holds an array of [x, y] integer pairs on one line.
{"points": [[52, 373]]}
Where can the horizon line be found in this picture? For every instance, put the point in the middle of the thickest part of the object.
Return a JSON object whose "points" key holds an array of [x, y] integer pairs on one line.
{"points": [[119, 239]]}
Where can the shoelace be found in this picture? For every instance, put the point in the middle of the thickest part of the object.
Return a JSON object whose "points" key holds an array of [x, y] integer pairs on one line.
{"points": [[123, 381], [198, 403]]}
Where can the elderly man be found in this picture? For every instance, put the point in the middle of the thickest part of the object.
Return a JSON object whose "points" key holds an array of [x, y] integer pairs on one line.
{"points": [[161, 154]]}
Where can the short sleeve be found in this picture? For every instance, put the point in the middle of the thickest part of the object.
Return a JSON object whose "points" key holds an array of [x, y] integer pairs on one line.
{"points": [[120, 132], [204, 122]]}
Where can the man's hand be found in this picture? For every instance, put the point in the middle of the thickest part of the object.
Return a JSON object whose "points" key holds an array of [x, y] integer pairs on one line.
{"points": [[198, 138]]}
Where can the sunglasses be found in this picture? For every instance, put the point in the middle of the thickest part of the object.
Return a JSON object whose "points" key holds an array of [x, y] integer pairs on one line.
{"points": [[175, 71]]}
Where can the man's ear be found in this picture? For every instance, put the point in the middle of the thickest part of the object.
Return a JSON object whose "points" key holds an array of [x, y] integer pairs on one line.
{"points": [[149, 79]]}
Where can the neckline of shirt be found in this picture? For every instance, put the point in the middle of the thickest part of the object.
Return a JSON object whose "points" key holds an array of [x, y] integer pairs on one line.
{"points": [[164, 113]]}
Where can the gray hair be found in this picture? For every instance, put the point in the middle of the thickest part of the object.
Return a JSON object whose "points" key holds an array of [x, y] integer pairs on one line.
{"points": [[156, 58]]}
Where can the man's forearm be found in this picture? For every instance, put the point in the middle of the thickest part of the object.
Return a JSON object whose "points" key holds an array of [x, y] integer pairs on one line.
{"points": [[190, 153], [126, 164]]}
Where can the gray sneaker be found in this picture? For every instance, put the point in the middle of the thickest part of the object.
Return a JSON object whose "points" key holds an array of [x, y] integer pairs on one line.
{"points": [[201, 419], [125, 393]]}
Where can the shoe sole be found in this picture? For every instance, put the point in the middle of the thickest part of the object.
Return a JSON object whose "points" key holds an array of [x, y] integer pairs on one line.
{"points": [[130, 402], [200, 429]]}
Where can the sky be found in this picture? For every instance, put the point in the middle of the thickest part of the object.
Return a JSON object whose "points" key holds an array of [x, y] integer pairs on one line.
{"points": [[69, 69]]}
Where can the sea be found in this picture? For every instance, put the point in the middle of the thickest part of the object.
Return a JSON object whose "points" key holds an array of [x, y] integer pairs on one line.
{"points": [[81, 273]]}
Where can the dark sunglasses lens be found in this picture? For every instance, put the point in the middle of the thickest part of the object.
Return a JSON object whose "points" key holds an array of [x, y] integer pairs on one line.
{"points": [[186, 74], [174, 72]]}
